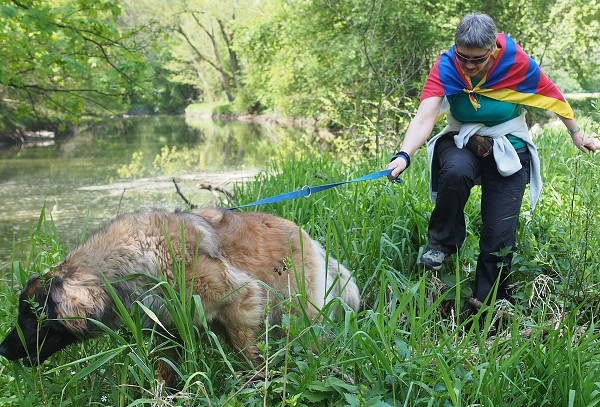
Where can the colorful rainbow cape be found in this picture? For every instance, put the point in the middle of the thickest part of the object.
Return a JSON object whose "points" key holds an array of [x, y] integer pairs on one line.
{"points": [[513, 77]]}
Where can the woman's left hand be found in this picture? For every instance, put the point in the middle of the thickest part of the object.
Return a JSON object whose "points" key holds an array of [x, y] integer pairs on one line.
{"points": [[584, 142]]}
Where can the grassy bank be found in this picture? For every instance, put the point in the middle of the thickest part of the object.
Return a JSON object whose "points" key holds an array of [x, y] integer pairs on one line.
{"points": [[415, 343]]}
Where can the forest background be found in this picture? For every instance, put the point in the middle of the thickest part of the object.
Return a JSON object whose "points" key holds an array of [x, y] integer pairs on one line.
{"points": [[355, 66]]}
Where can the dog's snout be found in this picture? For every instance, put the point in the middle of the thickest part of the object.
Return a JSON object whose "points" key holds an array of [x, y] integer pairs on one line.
{"points": [[11, 347], [4, 350]]}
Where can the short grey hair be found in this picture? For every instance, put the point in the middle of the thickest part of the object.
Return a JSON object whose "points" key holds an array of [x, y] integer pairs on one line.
{"points": [[476, 30]]}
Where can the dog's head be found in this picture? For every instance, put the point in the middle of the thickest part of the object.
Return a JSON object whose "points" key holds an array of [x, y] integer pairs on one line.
{"points": [[38, 333]]}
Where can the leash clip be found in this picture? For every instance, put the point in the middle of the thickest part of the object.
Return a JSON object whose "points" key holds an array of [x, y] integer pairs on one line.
{"points": [[309, 190]]}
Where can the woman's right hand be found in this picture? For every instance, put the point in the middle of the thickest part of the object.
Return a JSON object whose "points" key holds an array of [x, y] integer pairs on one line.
{"points": [[397, 166]]}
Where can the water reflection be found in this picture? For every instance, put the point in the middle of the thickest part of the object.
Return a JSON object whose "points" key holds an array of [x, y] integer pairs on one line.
{"points": [[79, 180]]}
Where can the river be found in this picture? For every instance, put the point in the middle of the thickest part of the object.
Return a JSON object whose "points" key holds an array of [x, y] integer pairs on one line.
{"points": [[120, 165]]}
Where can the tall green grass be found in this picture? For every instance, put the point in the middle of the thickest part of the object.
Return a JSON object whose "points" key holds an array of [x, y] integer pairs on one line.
{"points": [[415, 342]]}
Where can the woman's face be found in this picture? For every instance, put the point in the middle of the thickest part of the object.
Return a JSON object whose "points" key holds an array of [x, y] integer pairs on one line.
{"points": [[473, 61]]}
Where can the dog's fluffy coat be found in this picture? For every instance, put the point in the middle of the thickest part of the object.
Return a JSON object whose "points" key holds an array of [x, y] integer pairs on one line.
{"points": [[231, 260]]}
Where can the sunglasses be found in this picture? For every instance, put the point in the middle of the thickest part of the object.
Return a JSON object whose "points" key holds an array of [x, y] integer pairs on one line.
{"points": [[475, 61]]}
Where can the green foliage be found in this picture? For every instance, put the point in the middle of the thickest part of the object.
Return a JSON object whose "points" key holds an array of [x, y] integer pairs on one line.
{"points": [[61, 59], [338, 61], [587, 105]]}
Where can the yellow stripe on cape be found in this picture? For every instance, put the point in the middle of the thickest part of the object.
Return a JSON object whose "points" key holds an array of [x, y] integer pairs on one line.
{"points": [[535, 100]]}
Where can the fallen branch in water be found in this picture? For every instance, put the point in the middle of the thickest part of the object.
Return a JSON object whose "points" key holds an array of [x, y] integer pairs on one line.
{"points": [[228, 200], [187, 201], [214, 189]]}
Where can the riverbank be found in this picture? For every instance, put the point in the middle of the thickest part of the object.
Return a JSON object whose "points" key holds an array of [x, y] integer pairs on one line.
{"points": [[225, 111]]}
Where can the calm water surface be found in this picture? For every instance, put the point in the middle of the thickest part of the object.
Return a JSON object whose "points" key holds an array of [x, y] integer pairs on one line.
{"points": [[79, 183]]}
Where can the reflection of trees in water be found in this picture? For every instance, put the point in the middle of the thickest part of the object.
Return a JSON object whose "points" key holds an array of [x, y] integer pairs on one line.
{"points": [[216, 145]]}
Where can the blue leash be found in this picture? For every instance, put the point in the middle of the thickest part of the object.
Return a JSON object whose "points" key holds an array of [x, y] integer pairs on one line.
{"points": [[308, 190]]}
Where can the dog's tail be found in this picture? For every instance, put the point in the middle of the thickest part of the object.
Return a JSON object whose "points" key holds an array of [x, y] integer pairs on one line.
{"points": [[341, 284]]}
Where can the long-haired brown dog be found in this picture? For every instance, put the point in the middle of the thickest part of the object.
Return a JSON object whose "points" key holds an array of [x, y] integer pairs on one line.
{"points": [[231, 260]]}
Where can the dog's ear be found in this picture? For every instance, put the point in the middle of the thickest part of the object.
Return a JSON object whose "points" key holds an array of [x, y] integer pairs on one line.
{"points": [[32, 298], [72, 302], [30, 288]]}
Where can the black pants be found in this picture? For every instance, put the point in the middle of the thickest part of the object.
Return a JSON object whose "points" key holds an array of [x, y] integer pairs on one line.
{"points": [[501, 199]]}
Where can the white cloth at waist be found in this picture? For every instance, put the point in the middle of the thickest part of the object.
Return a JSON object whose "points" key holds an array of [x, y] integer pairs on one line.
{"points": [[507, 159]]}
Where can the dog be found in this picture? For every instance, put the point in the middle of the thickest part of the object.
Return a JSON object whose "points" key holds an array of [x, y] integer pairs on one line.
{"points": [[239, 263]]}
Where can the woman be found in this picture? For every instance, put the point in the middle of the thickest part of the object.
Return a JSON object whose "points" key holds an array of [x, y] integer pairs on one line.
{"points": [[485, 78]]}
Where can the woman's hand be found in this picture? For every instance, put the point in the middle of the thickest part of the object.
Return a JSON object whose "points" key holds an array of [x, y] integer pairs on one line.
{"points": [[397, 166], [584, 142]]}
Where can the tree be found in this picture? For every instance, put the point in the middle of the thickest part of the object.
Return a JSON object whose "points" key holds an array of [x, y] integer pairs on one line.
{"points": [[64, 58], [353, 64], [199, 41]]}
